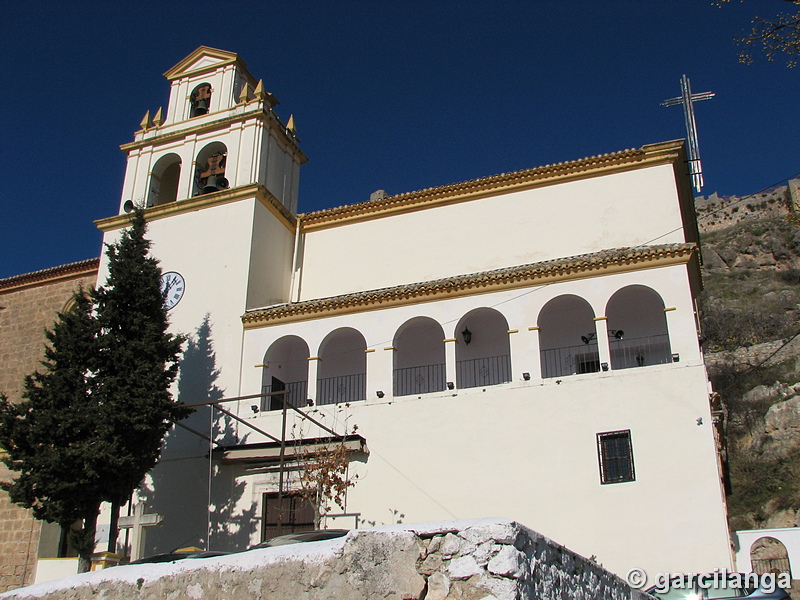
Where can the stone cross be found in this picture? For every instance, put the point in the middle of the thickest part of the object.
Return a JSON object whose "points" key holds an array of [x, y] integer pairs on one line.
{"points": [[137, 523]]}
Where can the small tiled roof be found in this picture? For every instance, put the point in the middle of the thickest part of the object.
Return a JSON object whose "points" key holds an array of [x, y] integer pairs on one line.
{"points": [[517, 276], [69, 269]]}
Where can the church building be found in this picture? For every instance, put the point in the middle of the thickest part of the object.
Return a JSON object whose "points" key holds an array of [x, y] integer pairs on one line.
{"points": [[522, 345]]}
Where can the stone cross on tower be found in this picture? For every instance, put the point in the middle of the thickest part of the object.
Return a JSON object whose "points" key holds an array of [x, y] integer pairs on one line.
{"points": [[137, 523], [687, 98]]}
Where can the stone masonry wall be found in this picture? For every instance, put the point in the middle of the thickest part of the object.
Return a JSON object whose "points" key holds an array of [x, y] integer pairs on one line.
{"points": [[462, 560], [718, 212], [28, 305], [19, 539]]}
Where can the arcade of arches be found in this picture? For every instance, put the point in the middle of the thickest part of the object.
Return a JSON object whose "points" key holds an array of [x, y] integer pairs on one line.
{"points": [[569, 333]]}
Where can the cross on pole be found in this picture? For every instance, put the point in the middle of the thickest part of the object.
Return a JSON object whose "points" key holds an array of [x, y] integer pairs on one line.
{"points": [[687, 99], [137, 523]]}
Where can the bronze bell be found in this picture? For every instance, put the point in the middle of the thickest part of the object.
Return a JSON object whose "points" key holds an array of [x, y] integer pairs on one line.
{"points": [[215, 183]]}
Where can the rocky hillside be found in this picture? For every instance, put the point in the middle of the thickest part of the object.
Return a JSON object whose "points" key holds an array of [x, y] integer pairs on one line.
{"points": [[752, 283], [751, 330]]}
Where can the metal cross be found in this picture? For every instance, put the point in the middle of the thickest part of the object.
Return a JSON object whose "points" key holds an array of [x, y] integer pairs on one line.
{"points": [[687, 98]]}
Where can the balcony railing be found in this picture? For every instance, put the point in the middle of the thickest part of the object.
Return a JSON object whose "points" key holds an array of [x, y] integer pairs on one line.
{"points": [[640, 352], [477, 372], [419, 380], [345, 388], [298, 393], [570, 360]]}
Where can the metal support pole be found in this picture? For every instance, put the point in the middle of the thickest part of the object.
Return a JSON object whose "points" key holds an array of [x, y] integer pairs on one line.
{"points": [[281, 463]]}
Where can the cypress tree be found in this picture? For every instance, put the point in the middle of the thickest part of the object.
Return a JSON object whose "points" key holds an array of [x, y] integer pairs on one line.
{"points": [[51, 437], [91, 426], [137, 364]]}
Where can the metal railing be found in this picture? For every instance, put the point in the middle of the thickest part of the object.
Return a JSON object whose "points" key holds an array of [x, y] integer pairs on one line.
{"points": [[570, 360], [476, 372], [419, 380], [640, 352], [770, 565], [297, 396], [345, 388]]}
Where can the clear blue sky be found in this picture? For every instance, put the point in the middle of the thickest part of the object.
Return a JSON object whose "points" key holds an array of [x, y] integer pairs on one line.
{"points": [[386, 95]]}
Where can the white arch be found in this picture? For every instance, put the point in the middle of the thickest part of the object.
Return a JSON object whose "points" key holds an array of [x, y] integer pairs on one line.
{"points": [[483, 353], [419, 357], [200, 100], [202, 165], [637, 328], [341, 375], [568, 343], [164, 179], [285, 367], [788, 536]]}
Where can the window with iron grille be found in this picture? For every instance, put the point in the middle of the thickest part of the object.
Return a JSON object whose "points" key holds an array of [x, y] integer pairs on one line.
{"points": [[293, 513], [615, 452]]}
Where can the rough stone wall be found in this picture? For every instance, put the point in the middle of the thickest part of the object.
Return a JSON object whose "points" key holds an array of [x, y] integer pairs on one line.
{"points": [[718, 212], [479, 560], [19, 539], [28, 305]]}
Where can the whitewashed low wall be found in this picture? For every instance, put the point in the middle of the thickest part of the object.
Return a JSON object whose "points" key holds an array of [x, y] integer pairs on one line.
{"points": [[474, 560], [49, 569]]}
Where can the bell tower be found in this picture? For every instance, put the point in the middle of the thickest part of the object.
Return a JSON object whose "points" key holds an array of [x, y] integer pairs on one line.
{"points": [[219, 132], [217, 174]]}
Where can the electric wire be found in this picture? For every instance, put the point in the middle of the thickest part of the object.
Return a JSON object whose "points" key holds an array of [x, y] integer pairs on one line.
{"points": [[539, 287], [751, 368], [412, 482]]}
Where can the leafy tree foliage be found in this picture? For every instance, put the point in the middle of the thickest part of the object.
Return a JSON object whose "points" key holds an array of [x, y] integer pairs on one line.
{"points": [[324, 475], [776, 35], [52, 438], [92, 424]]}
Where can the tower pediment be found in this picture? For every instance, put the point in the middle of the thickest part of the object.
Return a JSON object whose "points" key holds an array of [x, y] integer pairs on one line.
{"points": [[203, 60]]}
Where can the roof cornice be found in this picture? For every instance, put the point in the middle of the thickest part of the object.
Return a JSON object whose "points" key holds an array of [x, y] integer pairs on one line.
{"points": [[154, 137], [605, 262], [593, 166], [60, 273], [244, 192]]}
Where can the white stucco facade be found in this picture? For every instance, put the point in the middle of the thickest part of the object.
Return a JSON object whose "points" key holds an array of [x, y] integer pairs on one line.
{"points": [[529, 448], [493, 232], [513, 325]]}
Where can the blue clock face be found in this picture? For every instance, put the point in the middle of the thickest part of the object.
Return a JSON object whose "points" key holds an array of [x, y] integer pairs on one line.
{"points": [[172, 288]]}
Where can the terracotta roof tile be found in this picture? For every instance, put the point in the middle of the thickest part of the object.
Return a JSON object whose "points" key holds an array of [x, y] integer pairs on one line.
{"points": [[495, 183], [470, 283], [60, 271]]}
